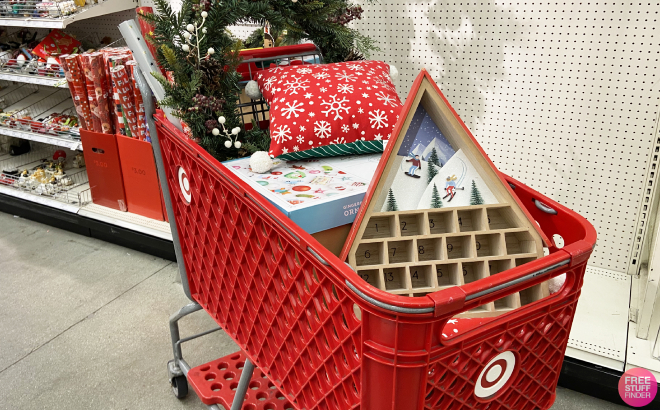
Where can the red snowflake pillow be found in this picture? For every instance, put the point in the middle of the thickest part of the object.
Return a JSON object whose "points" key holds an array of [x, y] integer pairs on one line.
{"points": [[321, 110]]}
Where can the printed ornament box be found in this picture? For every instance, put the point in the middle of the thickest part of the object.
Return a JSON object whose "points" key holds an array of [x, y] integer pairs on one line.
{"points": [[317, 194]]}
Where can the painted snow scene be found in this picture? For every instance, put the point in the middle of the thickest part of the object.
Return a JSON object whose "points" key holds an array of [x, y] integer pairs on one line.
{"points": [[431, 174]]}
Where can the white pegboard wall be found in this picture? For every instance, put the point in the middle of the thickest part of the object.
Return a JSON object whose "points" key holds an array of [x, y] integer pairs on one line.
{"points": [[103, 26], [563, 96]]}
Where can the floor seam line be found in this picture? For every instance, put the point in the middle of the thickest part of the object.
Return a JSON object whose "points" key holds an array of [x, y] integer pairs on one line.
{"points": [[83, 319]]}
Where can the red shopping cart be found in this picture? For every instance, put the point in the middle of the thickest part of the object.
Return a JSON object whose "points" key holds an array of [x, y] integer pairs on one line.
{"points": [[314, 335]]}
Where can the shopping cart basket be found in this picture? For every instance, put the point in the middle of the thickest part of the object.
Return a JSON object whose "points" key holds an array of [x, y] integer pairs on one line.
{"points": [[322, 338]]}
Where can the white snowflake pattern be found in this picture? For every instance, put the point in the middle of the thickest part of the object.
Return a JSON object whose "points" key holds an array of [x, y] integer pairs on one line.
{"points": [[296, 84], [378, 137], [285, 150], [345, 128], [322, 129], [345, 76], [295, 148], [302, 128], [292, 109], [360, 110], [311, 114], [365, 95], [356, 125], [378, 119], [282, 134], [269, 83], [309, 95], [323, 89], [300, 138], [340, 140], [320, 76], [355, 67], [386, 99], [345, 88], [336, 106], [304, 70]]}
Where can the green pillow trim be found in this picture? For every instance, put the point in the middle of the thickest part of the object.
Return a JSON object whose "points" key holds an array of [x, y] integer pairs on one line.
{"points": [[352, 148]]}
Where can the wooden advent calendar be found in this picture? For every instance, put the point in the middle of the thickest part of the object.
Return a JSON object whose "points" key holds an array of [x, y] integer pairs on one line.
{"points": [[437, 213]]}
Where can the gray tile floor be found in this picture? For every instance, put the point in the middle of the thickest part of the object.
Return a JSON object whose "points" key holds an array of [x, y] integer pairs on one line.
{"points": [[84, 325]]}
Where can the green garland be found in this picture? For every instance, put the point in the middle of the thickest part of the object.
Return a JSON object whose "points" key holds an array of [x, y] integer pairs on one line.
{"points": [[202, 56]]}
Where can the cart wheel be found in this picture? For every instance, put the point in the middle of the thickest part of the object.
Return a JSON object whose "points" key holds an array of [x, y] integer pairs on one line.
{"points": [[179, 386]]}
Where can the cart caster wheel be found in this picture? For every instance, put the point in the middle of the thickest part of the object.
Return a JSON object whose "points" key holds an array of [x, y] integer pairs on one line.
{"points": [[179, 386]]}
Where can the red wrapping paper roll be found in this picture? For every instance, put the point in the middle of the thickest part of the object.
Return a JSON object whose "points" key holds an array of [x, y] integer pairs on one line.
{"points": [[83, 61], [78, 89], [125, 93], [102, 91], [131, 66], [113, 61]]}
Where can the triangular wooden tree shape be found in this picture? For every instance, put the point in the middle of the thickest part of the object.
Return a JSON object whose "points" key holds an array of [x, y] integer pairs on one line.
{"points": [[437, 213]]}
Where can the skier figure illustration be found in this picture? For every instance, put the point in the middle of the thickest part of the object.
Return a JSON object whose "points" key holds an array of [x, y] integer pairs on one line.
{"points": [[450, 187], [416, 164]]}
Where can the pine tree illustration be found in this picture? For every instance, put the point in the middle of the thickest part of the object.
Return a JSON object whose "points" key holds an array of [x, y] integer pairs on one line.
{"points": [[475, 195], [436, 202], [433, 162], [391, 202]]}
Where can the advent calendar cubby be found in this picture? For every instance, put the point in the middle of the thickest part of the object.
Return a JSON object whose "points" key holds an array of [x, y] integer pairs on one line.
{"points": [[439, 214]]}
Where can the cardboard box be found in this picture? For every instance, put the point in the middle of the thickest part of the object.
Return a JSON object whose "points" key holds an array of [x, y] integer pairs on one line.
{"points": [[104, 169], [317, 194]]}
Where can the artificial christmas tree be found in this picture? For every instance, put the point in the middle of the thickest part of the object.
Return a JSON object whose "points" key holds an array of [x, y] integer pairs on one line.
{"points": [[436, 202], [475, 195], [391, 202], [432, 164]]}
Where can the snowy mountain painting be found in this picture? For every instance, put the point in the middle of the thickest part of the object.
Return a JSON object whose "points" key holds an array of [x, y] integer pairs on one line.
{"points": [[422, 136], [460, 170]]}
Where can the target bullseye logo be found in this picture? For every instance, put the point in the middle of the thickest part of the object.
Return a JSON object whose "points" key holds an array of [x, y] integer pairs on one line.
{"points": [[495, 375], [184, 184]]}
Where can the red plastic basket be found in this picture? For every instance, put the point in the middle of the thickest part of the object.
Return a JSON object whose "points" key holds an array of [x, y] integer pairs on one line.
{"points": [[328, 340]]}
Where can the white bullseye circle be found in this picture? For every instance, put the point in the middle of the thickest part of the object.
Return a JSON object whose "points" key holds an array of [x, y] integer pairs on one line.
{"points": [[184, 184], [495, 375]]}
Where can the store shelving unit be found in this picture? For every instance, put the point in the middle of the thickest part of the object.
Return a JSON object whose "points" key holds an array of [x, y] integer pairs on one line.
{"points": [[30, 14]]}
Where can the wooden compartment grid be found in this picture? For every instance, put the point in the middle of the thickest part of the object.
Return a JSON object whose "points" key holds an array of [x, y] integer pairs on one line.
{"points": [[414, 253]]}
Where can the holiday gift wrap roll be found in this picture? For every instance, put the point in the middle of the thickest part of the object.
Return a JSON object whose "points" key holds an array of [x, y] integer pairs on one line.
{"points": [[78, 90], [132, 67], [125, 93], [102, 91], [113, 61], [83, 62]]}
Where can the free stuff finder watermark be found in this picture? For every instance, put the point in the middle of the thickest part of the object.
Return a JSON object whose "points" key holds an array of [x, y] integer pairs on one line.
{"points": [[638, 387]]}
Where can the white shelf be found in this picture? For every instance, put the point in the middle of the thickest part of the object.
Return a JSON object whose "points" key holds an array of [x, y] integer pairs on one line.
{"points": [[600, 328], [34, 79], [138, 223], [639, 353], [106, 7], [33, 136]]}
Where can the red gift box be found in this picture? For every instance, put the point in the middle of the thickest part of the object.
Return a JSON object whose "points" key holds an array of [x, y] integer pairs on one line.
{"points": [[56, 43]]}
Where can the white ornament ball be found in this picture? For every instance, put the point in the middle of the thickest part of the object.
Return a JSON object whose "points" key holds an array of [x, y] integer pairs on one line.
{"points": [[237, 144], [236, 130], [215, 132], [295, 1], [221, 120], [261, 162], [252, 90], [20, 60], [394, 73], [186, 35], [190, 28], [185, 48], [228, 144], [210, 50], [205, 14], [204, 30]]}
